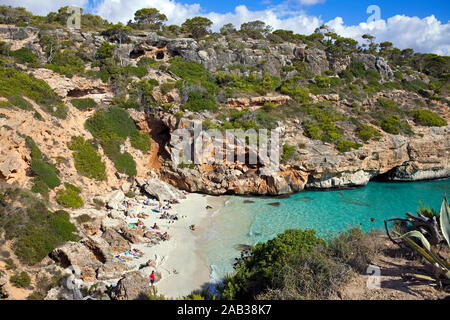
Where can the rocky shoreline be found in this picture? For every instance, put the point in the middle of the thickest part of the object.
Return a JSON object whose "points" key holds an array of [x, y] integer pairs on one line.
{"points": [[120, 248]]}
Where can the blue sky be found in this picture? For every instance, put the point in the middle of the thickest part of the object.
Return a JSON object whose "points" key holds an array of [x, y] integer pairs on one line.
{"points": [[352, 11], [421, 25]]}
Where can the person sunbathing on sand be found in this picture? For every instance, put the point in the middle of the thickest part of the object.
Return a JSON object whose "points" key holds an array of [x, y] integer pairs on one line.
{"points": [[155, 227], [166, 236], [193, 228]]}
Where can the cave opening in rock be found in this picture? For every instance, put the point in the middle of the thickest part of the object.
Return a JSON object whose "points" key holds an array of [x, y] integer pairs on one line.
{"points": [[161, 135], [385, 177], [77, 93], [136, 53], [160, 55]]}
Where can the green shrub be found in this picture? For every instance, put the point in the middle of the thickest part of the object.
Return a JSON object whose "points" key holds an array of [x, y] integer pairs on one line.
{"points": [[84, 104], [69, 197], [393, 125], [20, 280], [141, 141], [83, 219], [125, 164], [291, 88], [428, 118], [10, 265], [346, 145], [37, 230], [105, 52], [66, 62], [255, 272], [389, 106], [16, 83], [366, 132], [111, 128], [322, 126], [40, 187], [297, 265], [24, 55], [288, 152], [199, 101], [188, 70], [87, 161], [45, 172], [38, 116], [20, 102]]}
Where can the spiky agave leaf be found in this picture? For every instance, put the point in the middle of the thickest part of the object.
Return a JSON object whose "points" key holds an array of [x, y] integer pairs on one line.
{"points": [[440, 266], [445, 220], [418, 235]]}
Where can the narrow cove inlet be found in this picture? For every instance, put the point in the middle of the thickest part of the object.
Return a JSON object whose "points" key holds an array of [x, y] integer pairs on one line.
{"points": [[246, 221]]}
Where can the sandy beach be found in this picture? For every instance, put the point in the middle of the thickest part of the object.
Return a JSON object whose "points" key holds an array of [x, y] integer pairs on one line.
{"points": [[182, 266]]}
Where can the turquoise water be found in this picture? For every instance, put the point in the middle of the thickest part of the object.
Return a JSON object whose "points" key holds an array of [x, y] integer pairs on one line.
{"points": [[327, 212]]}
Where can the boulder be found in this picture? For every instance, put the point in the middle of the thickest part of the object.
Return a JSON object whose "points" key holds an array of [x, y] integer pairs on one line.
{"points": [[112, 270], [133, 286], [115, 200], [135, 235], [76, 254], [126, 187], [8, 164], [117, 214], [115, 224], [117, 244], [4, 286], [162, 190]]}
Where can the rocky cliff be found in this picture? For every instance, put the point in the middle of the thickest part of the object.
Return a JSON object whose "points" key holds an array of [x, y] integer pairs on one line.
{"points": [[313, 164]]}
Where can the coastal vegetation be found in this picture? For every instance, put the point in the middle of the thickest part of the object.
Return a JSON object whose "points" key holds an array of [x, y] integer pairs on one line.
{"points": [[111, 128], [373, 91], [87, 161], [84, 104], [69, 197], [45, 173], [15, 84], [35, 229], [299, 265]]}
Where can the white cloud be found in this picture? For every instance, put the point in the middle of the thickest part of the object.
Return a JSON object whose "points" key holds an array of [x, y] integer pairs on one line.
{"points": [[423, 35], [310, 2], [43, 7]]}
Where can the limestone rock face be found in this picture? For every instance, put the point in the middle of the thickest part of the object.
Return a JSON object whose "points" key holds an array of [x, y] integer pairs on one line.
{"points": [[112, 270], [375, 63], [9, 164], [4, 286], [115, 200], [318, 165], [133, 286], [76, 254], [162, 190]]}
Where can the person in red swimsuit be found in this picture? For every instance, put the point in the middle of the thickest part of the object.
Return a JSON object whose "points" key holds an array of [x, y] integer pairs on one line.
{"points": [[152, 278]]}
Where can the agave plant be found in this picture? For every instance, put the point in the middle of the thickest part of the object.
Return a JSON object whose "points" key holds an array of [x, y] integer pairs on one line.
{"points": [[435, 232], [441, 267]]}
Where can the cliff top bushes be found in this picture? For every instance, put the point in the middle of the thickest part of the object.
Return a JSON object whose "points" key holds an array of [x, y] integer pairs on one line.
{"points": [[36, 229], [70, 197], [322, 124], [87, 161], [67, 62], [14, 82], [197, 86], [298, 264], [46, 175], [84, 104], [111, 128], [428, 118]]}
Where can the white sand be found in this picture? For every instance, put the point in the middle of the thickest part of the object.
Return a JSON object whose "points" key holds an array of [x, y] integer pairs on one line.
{"points": [[183, 268]]}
